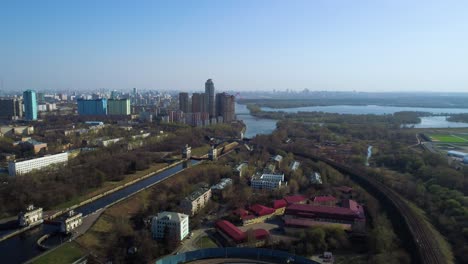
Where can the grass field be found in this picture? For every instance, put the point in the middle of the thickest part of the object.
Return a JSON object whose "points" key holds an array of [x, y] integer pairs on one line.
{"points": [[206, 242], [449, 138], [68, 253]]}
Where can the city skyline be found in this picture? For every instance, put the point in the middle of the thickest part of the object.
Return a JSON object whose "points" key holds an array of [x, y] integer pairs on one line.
{"points": [[243, 45]]}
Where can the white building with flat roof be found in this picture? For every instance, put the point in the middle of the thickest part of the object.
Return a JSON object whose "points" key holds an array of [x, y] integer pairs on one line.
{"points": [[31, 216], [173, 224], [71, 221], [25, 166], [267, 181]]}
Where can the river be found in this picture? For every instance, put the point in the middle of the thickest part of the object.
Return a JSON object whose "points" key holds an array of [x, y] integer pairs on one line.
{"points": [[426, 122], [23, 247]]}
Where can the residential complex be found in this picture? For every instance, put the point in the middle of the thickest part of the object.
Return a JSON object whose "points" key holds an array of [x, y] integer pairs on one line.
{"points": [[196, 200], [210, 92], [267, 181], [92, 107], [11, 108], [176, 225], [25, 166], [118, 107]]}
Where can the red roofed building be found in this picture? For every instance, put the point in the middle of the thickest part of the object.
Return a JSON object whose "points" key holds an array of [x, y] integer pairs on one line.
{"points": [[327, 200], [259, 214], [353, 214], [260, 210], [240, 212], [279, 206], [236, 237], [294, 199], [231, 231]]}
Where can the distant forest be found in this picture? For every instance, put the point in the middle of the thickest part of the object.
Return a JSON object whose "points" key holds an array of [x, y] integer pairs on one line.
{"points": [[403, 101]]}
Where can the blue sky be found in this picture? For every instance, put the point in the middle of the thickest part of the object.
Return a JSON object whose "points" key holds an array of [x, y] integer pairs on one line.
{"points": [[384, 45]]}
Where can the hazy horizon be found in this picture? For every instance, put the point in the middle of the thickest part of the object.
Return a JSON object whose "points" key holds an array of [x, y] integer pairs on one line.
{"points": [[363, 46]]}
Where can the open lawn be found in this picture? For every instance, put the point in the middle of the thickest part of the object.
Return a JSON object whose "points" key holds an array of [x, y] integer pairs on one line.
{"points": [[206, 242], [449, 138], [68, 253]]}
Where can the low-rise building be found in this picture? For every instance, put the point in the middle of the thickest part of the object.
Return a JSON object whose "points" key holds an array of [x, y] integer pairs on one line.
{"points": [[196, 200], [327, 200], [258, 214], [218, 188], [25, 166], [238, 238], [240, 169], [277, 159], [70, 222], [31, 216], [175, 225], [213, 153], [187, 152], [267, 181], [36, 145], [349, 215], [23, 130], [107, 142], [294, 165], [315, 178]]}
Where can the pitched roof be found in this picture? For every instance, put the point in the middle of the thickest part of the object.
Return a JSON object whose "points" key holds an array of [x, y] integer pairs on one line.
{"points": [[345, 189], [279, 203], [296, 222], [240, 212], [324, 199], [294, 199], [231, 230], [261, 210], [310, 210]]}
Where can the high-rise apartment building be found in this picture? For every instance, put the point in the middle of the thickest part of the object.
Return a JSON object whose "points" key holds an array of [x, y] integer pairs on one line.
{"points": [[184, 102], [11, 108], [30, 105], [225, 107], [200, 103], [92, 107], [118, 107], [210, 91]]}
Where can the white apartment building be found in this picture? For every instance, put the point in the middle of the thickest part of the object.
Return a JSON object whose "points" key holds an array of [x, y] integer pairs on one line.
{"points": [[31, 216], [196, 200], [25, 166], [267, 181], [174, 224], [71, 222]]}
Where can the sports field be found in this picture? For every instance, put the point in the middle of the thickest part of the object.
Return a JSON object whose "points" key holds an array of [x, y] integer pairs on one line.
{"points": [[449, 138]]}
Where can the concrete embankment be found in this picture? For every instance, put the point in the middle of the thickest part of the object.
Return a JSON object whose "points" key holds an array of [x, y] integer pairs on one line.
{"points": [[92, 199], [19, 231]]}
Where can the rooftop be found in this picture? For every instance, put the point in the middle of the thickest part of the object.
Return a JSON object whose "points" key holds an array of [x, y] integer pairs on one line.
{"points": [[174, 216], [199, 192]]}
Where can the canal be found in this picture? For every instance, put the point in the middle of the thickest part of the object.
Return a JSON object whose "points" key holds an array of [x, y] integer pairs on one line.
{"points": [[21, 248]]}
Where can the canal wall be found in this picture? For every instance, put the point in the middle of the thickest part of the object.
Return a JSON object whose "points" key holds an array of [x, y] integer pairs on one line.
{"points": [[19, 231], [96, 197]]}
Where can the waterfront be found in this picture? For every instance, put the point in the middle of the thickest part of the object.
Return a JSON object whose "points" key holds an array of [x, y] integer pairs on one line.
{"points": [[23, 247], [365, 109], [261, 125], [254, 125]]}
